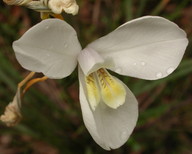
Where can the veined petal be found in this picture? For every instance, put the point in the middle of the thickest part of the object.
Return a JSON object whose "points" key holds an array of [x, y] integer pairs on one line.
{"points": [[112, 91], [149, 47], [50, 47], [92, 89], [110, 128]]}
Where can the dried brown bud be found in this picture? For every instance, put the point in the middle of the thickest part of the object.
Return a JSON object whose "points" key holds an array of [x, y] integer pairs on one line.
{"points": [[12, 115], [58, 6]]}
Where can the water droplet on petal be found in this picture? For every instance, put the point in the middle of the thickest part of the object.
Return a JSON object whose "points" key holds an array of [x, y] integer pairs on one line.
{"points": [[134, 64], [143, 63], [123, 135], [170, 70], [159, 75]]}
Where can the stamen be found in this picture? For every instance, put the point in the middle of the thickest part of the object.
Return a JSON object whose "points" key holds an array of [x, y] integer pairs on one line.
{"points": [[92, 91], [113, 92]]}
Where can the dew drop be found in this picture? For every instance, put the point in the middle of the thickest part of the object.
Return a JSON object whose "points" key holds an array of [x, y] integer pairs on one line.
{"points": [[134, 64], [123, 135], [143, 63], [159, 75], [170, 70]]}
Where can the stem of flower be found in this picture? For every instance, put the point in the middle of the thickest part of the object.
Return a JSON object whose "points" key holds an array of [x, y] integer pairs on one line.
{"points": [[32, 82], [58, 16], [26, 79]]}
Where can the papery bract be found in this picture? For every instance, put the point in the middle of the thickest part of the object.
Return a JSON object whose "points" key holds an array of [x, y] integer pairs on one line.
{"points": [[58, 6]]}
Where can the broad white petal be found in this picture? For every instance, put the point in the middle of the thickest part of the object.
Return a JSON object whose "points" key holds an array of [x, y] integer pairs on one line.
{"points": [[149, 47], [90, 61], [50, 47], [110, 128]]}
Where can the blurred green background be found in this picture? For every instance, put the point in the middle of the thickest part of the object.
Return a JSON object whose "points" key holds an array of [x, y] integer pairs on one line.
{"points": [[52, 121]]}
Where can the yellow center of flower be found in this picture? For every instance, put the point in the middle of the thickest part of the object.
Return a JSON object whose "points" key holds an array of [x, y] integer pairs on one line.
{"points": [[101, 86]]}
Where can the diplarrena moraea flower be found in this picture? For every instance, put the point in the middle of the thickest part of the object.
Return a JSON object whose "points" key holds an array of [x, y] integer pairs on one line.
{"points": [[149, 48]]}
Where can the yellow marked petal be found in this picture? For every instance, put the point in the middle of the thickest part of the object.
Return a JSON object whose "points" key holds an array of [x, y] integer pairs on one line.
{"points": [[113, 92], [92, 91]]}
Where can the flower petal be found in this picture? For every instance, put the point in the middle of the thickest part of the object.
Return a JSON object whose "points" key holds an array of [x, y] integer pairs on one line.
{"points": [[93, 91], [149, 47], [50, 47], [110, 128], [112, 91], [90, 61]]}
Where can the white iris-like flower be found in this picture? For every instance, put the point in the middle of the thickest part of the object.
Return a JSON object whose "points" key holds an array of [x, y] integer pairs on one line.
{"points": [[147, 48]]}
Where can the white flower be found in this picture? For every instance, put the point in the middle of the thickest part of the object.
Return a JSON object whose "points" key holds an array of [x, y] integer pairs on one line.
{"points": [[147, 48], [58, 6]]}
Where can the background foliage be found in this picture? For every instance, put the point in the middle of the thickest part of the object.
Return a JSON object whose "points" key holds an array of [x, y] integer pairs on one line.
{"points": [[52, 121]]}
